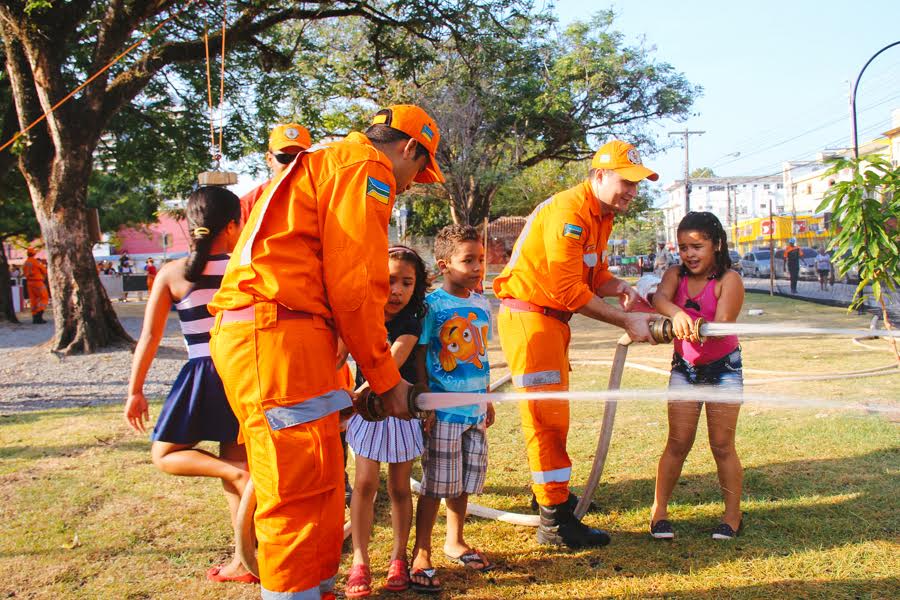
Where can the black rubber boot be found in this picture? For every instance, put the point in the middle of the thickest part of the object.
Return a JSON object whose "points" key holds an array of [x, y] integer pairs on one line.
{"points": [[38, 318], [560, 527], [573, 501]]}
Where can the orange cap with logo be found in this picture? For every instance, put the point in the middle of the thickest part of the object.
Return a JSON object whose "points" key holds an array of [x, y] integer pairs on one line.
{"points": [[289, 138], [415, 122], [624, 159]]}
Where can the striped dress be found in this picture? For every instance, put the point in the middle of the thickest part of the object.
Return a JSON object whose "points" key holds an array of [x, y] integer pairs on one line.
{"points": [[196, 408], [392, 440]]}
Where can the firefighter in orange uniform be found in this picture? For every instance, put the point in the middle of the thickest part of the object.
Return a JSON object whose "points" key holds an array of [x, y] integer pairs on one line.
{"points": [[311, 265], [35, 273], [285, 142], [558, 267]]}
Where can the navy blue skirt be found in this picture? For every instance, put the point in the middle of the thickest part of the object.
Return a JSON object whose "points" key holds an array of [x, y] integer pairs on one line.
{"points": [[196, 408]]}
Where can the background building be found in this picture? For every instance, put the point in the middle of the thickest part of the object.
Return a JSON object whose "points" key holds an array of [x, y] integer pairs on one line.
{"points": [[731, 199]]}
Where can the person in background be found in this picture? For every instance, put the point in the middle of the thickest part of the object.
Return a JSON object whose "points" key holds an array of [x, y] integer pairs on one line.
{"points": [[35, 274], [792, 255], [285, 142], [150, 270], [823, 268]]}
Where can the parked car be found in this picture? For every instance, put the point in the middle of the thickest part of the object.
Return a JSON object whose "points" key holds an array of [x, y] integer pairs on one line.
{"points": [[756, 264], [807, 263], [735, 260]]}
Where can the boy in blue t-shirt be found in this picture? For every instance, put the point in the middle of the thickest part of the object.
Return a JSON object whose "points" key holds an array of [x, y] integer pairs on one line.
{"points": [[452, 357]]}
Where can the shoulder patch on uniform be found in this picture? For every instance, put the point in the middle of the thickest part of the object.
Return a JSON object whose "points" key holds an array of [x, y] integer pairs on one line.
{"points": [[572, 231], [378, 190]]}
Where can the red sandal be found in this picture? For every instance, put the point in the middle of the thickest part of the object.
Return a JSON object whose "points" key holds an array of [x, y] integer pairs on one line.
{"points": [[359, 577], [398, 576]]}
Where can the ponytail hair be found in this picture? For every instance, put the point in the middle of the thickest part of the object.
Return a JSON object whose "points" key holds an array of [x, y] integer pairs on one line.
{"points": [[209, 210], [709, 225]]}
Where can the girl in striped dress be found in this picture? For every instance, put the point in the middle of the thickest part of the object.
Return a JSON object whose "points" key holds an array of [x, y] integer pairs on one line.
{"points": [[394, 441], [196, 408]]}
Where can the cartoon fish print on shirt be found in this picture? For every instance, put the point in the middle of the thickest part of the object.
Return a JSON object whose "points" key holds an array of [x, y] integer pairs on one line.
{"points": [[461, 341]]}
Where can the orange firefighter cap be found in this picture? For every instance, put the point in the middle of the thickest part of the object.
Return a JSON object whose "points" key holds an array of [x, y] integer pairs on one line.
{"points": [[30, 251], [415, 122], [289, 138], [624, 159]]}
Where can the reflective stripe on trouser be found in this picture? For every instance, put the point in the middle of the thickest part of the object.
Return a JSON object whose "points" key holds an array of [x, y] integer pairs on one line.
{"points": [[537, 350], [281, 383]]}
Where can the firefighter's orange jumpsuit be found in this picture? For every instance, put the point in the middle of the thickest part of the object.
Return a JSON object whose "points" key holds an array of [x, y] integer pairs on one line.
{"points": [[310, 264], [35, 273], [557, 263]]}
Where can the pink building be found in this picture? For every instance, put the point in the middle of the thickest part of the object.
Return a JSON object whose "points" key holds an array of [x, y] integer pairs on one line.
{"points": [[139, 242], [149, 239]]}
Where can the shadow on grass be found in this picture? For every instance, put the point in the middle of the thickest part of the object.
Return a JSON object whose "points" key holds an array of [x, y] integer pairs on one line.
{"points": [[846, 588], [73, 450], [570, 572], [790, 506]]}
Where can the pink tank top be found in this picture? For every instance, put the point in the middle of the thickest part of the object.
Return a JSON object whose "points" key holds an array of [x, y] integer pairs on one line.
{"points": [[704, 305]]}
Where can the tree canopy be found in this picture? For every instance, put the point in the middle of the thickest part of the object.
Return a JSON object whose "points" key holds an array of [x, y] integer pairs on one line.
{"points": [[143, 120], [520, 93]]}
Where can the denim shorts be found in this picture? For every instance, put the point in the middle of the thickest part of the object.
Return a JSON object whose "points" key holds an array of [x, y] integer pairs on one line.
{"points": [[724, 372]]}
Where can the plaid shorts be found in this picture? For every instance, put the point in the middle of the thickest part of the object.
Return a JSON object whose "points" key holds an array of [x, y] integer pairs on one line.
{"points": [[455, 459]]}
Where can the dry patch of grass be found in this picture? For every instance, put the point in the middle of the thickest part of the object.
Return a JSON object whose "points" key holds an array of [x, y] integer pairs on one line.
{"points": [[87, 515]]}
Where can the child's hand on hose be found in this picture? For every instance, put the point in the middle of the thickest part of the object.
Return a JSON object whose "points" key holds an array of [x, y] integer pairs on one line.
{"points": [[683, 326], [428, 422]]}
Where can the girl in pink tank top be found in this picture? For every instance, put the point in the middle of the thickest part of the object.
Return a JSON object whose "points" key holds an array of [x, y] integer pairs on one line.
{"points": [[702, 286]]}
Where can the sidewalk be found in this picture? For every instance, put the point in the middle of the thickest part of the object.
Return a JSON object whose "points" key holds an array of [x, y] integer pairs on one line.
{"points": [[839, 294]]}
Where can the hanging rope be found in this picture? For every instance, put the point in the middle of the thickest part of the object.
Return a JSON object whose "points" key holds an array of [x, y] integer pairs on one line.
{"points": [[216, 149], [153, 31]]}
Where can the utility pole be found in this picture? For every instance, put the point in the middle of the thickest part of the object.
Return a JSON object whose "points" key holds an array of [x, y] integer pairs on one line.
{"points": [[729, 223], [771, 248], [687, 168]]}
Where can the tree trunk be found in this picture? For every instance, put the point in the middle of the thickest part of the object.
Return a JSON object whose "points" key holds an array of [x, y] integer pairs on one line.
{"points": [[6, 302], [84, 318]]}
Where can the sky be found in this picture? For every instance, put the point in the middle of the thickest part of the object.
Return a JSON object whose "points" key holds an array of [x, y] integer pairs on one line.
{"points": [[776, 75]]}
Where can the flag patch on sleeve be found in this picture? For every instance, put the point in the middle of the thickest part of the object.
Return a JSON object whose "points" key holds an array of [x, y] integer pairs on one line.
{"points": [[572, 231], [378, 190]]}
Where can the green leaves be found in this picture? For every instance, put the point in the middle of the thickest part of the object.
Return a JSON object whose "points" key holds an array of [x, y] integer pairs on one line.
{"points": [[865, 209]]}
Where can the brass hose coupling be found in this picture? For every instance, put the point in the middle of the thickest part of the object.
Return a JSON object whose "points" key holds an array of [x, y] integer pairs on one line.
{"points": [[663, 332], [370, 405]]}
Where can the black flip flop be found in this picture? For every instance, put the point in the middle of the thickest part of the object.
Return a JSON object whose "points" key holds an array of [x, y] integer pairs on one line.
{"points": [[472, 556], [431, 587]]}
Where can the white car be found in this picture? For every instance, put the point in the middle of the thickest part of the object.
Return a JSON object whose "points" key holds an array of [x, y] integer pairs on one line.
{"points": [[756, 264]]}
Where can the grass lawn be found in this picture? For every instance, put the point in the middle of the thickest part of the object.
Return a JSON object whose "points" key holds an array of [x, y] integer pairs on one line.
{"points": [[87, 516]]}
